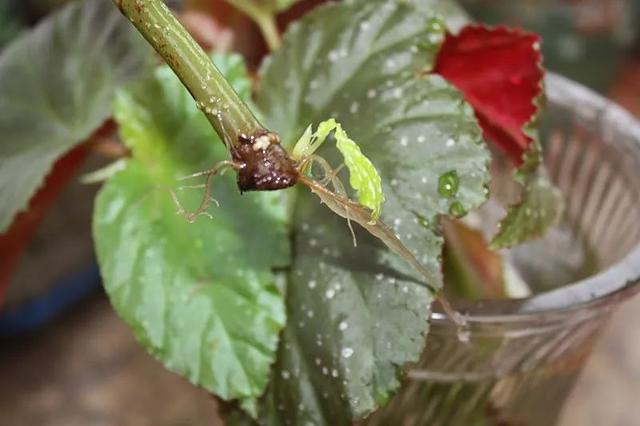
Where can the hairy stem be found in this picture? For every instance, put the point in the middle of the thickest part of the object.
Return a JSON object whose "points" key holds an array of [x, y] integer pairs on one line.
{"points": [[229, 115]]}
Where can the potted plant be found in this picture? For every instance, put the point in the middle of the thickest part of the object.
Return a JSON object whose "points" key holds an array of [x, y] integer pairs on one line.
{"points": [[394, 115]]}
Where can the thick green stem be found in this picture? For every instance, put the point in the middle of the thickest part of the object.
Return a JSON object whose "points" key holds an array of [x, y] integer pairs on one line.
{"points": [[224, 109]]}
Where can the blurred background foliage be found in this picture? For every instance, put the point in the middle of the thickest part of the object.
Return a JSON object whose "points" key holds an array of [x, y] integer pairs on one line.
{"points": [[585, 40]]}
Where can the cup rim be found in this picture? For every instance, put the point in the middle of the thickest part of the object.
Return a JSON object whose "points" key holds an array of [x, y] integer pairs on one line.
{"points": [[607, 287]]}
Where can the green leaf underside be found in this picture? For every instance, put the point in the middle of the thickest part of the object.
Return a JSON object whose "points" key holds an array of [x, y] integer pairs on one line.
{"points": [[358, 62], [201, 297], [56, 87]]}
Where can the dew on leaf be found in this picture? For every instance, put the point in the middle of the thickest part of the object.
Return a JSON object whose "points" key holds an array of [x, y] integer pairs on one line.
{"points": [[448, 184], [457, 209], [330, 293], [343, 326]]}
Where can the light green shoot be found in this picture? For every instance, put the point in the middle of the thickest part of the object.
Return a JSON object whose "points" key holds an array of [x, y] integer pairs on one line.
{"points": [[363, 176]]}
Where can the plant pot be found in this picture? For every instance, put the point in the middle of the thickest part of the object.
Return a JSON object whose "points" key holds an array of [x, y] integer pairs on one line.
{"points": [[518, 359]]}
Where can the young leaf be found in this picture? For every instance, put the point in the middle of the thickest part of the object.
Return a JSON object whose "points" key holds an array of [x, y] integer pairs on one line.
{"points": [[364, 177], [56, 87], [200, 296], [360, 61]]}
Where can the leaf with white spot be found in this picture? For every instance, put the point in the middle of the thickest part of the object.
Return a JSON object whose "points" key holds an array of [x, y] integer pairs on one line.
{"points": [[360, 62]]}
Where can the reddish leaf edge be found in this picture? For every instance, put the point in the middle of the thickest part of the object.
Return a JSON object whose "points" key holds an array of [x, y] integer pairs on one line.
{"points": [[14, 242]]}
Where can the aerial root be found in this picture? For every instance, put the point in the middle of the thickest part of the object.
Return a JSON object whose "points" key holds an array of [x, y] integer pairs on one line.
{"points": [[330, 176], [207, 199]]}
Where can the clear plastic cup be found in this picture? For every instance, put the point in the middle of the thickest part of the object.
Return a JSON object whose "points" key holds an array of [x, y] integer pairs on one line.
{"points": [[519, 358]]}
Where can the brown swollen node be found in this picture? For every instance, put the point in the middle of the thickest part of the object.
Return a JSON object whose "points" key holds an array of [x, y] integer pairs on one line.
{"points": [[264, 165]]}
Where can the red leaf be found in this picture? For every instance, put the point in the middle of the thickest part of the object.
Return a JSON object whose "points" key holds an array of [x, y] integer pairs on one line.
{"points": [[499, 72]]}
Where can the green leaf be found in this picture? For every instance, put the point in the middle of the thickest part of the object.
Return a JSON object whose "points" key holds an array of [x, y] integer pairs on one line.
{"points": [[450, 11], [57, 84], [284, 4], [363, 176], [360, 62], [202, 297], [541, 204], [10, 23], [539, 209]]}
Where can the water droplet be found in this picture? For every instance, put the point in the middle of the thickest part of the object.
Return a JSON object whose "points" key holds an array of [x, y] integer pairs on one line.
{"points": [[333, 56], [334, 373], [325, 370], [343, 326], [464, 335], [330, 293], [372, 93], [450, 142], [404, 141], [448, 184], [310, 313], [346, 352], [285, 374], [457, 210], [364, 25], [312, 284], [355, 107]]}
